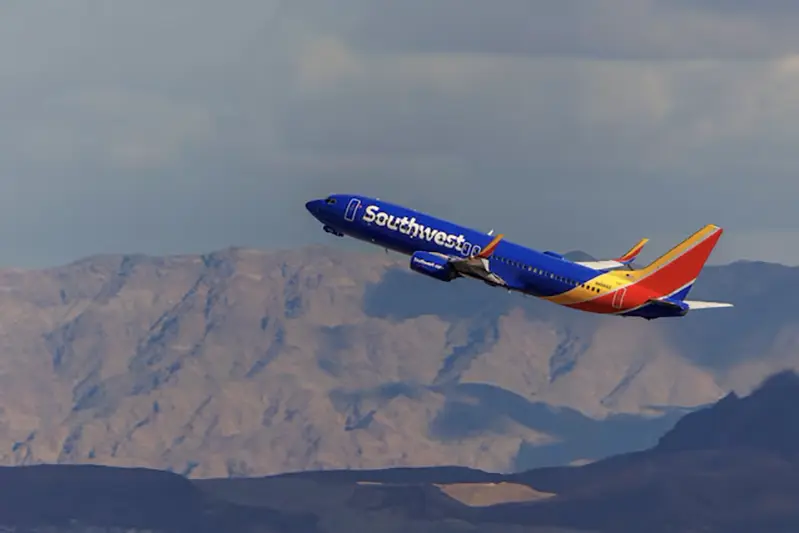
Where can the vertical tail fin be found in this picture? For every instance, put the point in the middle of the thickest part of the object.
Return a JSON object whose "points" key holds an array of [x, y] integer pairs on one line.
{"points": [[673, 273]]}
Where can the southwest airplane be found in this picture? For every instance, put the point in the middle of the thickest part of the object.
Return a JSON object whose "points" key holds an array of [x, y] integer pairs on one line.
{"points": [[445, 251]]}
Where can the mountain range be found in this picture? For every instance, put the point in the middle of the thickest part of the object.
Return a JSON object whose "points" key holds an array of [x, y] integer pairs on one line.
{"points": [[728, 468], [246, 363]]}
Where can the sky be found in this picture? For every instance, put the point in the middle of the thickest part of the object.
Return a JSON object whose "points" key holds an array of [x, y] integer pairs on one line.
{"points": [[192, 125]]}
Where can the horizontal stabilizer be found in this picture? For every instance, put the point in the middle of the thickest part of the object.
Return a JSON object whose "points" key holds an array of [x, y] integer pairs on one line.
{"points": [[698, 304], [679, 307], [672, 307]]}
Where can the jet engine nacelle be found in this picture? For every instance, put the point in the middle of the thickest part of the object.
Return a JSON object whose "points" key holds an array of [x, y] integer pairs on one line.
{"points": [[433, 265]]}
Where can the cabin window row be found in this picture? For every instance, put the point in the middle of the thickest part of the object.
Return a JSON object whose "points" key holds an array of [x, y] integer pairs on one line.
{"points": [[540, 272]]}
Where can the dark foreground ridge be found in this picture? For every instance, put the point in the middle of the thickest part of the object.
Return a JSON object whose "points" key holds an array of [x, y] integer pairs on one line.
{"points": [[732, 467], [77, 498]]}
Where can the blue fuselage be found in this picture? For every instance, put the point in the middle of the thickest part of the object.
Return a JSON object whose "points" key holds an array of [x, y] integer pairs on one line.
{"points": [[407, 231]]}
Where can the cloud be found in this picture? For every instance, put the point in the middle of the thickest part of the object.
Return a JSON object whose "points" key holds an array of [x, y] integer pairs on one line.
{"points": [[134, 129], [605, 29], [603, 137], [190, 126]]}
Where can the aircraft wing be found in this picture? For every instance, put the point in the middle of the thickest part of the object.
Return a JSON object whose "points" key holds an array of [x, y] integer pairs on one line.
{"points": [[476, 266], [624, 260]]}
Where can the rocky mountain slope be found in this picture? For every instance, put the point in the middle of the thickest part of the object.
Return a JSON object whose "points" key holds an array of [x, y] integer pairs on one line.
{"points": [[729, 468], [245, 362]]}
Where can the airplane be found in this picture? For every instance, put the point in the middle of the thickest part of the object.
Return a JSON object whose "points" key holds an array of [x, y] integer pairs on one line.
{"points": [[446, 251]]}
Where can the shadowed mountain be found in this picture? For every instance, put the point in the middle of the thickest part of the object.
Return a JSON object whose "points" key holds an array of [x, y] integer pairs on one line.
{"points": [[707, 474], [478, 408], [765, 312], [85, 498], [90, 499], [730, 467], [579, 255], [761, 421]]}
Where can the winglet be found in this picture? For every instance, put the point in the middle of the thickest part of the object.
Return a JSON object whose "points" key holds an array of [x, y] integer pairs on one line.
{"points": [[486, 252], [632, 254]]}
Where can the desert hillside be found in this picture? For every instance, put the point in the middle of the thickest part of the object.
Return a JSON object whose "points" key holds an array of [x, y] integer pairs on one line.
{"points": [[244, 362]]}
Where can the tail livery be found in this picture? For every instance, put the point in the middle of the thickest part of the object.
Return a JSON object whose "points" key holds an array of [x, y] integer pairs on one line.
{"points": [[669, 278]]}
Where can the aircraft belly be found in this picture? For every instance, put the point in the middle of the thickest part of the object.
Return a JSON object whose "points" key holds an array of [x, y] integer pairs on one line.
{"points": [[541, 288]]}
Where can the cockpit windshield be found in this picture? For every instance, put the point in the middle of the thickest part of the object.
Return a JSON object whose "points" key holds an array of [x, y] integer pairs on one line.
{"points": [[330, 200]]}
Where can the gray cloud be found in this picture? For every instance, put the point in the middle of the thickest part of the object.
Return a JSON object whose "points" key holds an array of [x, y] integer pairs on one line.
{"points": [[189, 126], [617, 29], [768, 9]]}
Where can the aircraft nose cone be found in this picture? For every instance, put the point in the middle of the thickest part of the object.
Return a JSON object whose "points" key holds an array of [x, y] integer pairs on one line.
{"points": [[313, 206]]}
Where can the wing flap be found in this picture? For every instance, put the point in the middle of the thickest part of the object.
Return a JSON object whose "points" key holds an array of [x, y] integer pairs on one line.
{"points": [[476, 266]]}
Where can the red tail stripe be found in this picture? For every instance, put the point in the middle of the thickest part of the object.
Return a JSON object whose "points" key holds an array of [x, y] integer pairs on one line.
{"points": [[680, 270]]}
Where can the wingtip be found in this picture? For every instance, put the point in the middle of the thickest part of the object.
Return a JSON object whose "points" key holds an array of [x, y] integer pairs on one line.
{"points": [[633, 252]]}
